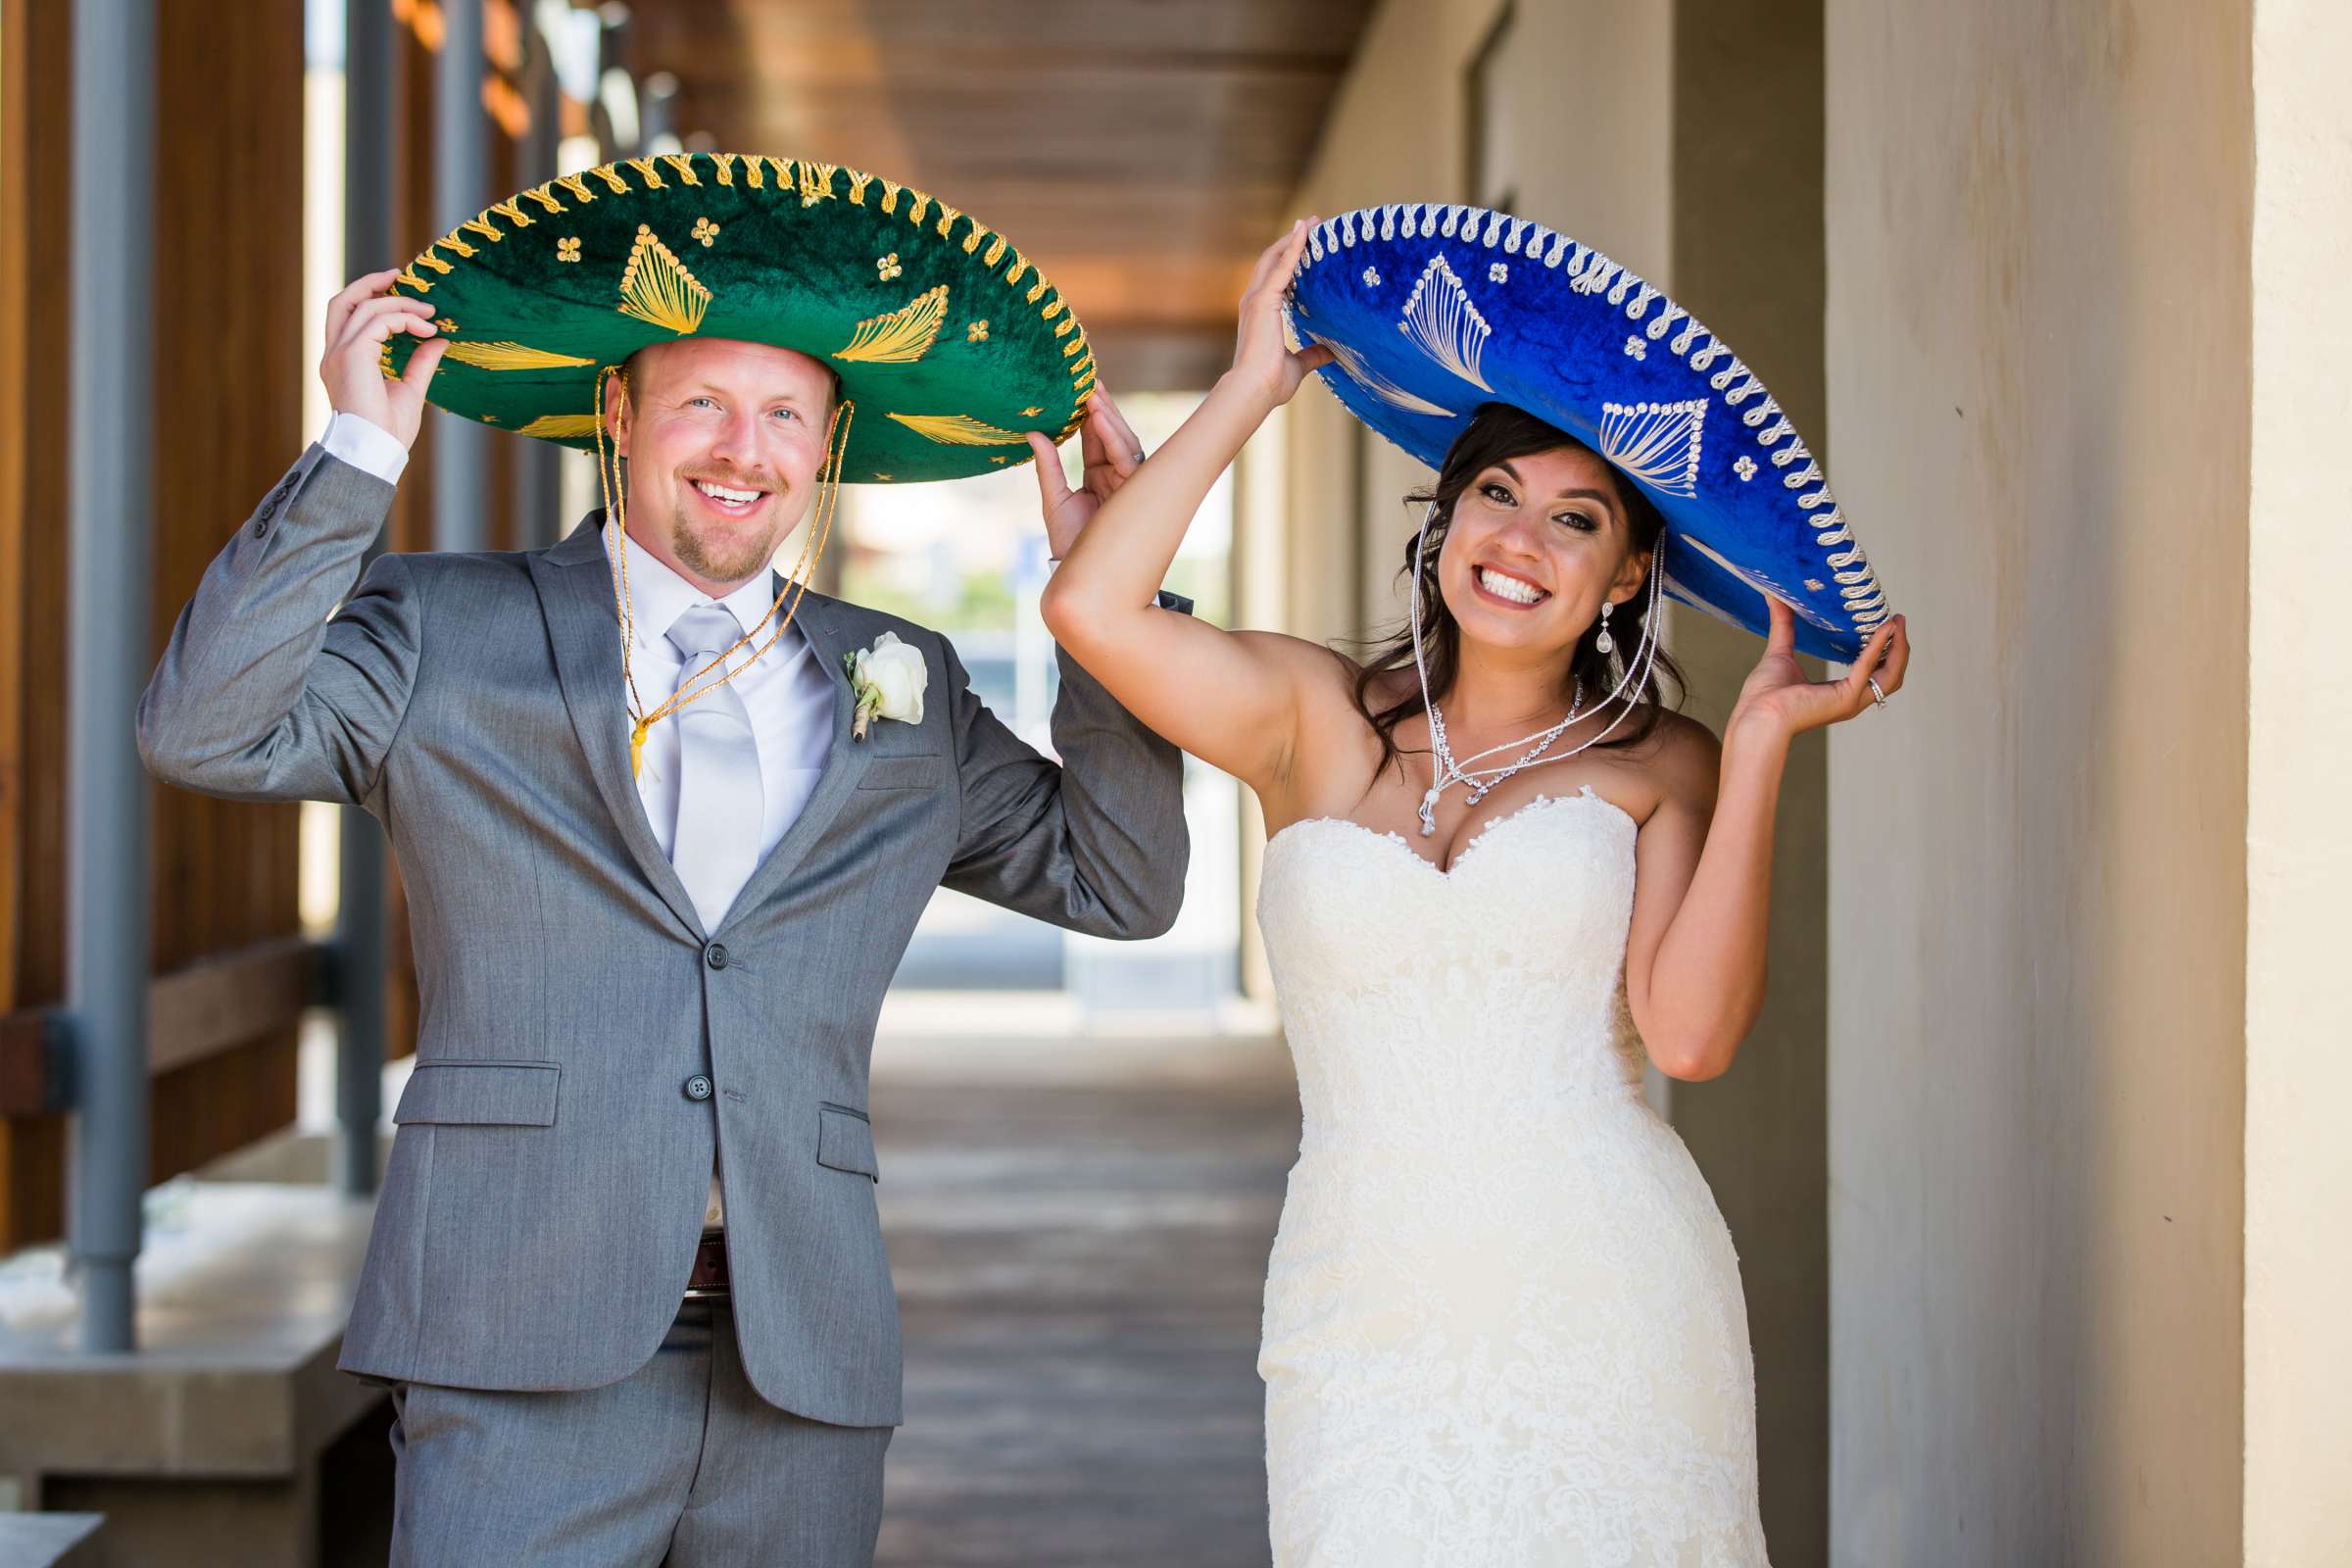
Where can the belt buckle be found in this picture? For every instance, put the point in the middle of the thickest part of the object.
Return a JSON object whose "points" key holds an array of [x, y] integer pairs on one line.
{"points": [[701, 1285]]}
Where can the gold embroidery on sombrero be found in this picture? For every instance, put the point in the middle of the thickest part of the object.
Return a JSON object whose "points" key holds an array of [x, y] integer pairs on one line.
{"points": [[957, 430], [858, 184], [947, 218], [977, 332], [513, 356], [887, 267], [561, 426], [656, 287], [726, 166], [512, 211], [568, 249], [610, 173], [817, 182], [900, 336], [545, 197], [683, 165], [705, 231], [409, 279], [577, 184]]}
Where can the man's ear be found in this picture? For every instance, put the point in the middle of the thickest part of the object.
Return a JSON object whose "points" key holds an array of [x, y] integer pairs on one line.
{"points": [[616, 414]]}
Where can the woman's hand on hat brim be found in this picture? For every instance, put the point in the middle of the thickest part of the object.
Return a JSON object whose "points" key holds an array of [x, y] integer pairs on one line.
{"points": [[1262, 358], [1778, 700]]}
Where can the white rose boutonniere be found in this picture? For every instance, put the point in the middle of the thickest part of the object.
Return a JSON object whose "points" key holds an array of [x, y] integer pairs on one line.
{"points": [[889, 680]]}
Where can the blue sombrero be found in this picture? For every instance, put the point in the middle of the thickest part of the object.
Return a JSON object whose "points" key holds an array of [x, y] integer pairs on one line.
{"points": [[1431, 311]]}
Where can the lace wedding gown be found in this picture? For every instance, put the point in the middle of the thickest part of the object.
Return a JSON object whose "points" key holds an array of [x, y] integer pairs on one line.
{"points": [[1503, 1324]]}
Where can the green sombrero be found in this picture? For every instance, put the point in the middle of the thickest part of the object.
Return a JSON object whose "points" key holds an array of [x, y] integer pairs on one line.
{"points": [[949, 342]]}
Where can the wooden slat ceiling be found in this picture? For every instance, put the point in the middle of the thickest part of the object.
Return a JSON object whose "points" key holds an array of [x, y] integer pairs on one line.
{"points": [[1141, 151]]}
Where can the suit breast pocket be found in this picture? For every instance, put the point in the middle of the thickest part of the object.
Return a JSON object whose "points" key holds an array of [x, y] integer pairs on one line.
{"points": [[922, 770]]}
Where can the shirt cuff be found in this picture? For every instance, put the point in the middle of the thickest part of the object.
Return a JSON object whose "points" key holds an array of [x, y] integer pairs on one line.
{"points": [[365, 445]]}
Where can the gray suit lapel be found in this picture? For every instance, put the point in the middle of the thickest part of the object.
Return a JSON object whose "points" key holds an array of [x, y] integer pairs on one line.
{"points": [[575, 579], [827, 625]]}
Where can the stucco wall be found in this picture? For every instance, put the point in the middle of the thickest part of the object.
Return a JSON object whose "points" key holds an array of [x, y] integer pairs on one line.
{"points": [[2039, 306]]}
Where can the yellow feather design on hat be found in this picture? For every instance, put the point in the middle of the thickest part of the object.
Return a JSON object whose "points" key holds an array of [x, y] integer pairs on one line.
{"points": [[656, 287], [900, 337], [512, 357], [560, 426], [958, 431]]}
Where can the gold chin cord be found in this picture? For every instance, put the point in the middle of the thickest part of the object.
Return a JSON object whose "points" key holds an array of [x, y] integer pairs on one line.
{"points": [[813, 535]]}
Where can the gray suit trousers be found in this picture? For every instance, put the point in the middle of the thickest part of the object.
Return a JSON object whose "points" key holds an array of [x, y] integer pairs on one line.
{"points": [[680, 1463]]}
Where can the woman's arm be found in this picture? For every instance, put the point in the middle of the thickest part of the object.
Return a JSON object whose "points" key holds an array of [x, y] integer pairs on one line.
{"points": [[1695, 958], [1229, 698]]}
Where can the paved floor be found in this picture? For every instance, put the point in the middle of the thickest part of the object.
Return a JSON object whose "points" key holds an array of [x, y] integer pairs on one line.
{"points": [[1079, 1234]]}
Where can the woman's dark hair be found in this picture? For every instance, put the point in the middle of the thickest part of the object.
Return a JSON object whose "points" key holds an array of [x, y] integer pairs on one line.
{"points": [[1497, 433]]}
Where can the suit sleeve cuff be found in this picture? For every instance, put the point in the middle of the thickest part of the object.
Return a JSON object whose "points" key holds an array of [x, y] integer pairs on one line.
{"points": [[365, 445]]}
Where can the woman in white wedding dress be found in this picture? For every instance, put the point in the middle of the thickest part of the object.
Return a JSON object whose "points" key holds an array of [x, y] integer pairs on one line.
{"points": [[1503, 1321]]}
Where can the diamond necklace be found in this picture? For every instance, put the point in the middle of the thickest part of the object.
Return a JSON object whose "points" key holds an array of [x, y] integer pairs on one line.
{"points": [[1445, 772]]}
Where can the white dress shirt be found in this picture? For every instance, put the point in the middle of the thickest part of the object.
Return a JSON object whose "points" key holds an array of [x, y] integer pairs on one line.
{"points": [[787, 694]]}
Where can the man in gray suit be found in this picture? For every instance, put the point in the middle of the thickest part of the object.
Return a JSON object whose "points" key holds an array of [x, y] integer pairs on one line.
{"points": [[626, 1280]]}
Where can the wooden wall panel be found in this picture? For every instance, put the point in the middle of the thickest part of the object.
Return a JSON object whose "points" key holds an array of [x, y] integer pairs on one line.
{"points": [[33, 306], [230, 351]]}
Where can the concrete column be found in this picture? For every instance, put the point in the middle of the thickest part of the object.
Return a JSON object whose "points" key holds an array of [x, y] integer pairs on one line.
{"points": [[2298, 1271], [2038, 425], [1747, 259], [108, 517]]}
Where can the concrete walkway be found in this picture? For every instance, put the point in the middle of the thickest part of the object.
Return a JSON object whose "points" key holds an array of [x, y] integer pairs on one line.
{"points": [[1079, 1230]]}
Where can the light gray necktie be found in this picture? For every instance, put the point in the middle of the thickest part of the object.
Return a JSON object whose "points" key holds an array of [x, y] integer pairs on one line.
{"points": [[720, 802]]}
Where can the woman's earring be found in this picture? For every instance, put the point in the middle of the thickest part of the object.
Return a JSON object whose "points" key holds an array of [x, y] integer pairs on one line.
{"points": [[1604, 642]]}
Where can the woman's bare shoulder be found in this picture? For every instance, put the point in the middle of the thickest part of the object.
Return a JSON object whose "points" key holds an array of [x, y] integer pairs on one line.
{"points": [[1683, 759]]}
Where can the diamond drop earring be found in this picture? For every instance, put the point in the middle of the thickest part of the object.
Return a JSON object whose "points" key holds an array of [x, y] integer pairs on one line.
{"points": [[1604, 642]]}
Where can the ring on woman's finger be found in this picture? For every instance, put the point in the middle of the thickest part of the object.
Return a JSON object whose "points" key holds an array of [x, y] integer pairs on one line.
{"points": [[1139, 457], [1877, 695]]}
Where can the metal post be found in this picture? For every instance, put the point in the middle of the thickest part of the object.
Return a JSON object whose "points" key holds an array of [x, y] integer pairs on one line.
{"points": [[460, 166], [537, 464], [112, 237], [370, 45]]}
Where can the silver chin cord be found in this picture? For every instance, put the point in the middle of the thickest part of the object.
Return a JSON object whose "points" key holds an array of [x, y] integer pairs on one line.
{"points": [[1445, 772]]}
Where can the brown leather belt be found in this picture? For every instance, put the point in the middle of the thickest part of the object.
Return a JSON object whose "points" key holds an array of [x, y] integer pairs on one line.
{"points": [[709, 1276]]}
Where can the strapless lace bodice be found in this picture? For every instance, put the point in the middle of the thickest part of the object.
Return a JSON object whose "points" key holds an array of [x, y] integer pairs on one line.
{"points": [[1504, 1322], [1494, 989]]}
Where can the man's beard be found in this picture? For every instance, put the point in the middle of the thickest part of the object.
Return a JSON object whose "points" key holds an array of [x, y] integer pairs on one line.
{"points": [[733, 560]]}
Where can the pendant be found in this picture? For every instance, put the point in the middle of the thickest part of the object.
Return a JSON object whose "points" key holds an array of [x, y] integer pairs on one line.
{"points": [[1429, 811]]}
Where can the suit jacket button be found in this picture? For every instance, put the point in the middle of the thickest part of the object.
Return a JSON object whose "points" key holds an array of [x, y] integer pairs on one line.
{"points": [[698, 1086], [716, 954]]}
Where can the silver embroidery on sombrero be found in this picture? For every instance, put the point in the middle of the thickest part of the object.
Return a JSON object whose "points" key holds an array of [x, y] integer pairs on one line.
{"points": [[1656, 443], [1443, 322], [1379, 387]]}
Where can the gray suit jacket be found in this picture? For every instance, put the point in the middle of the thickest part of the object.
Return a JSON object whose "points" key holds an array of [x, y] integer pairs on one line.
{"points": [[584, 1043]]}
